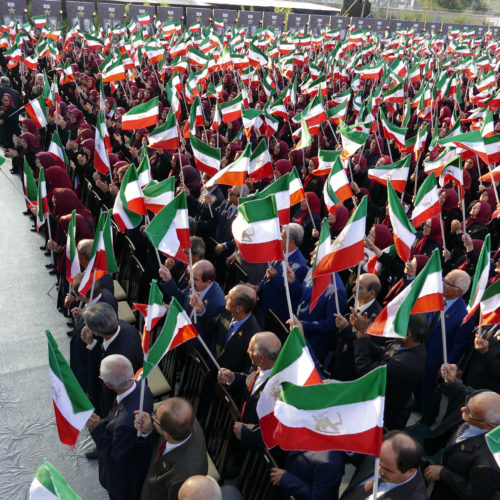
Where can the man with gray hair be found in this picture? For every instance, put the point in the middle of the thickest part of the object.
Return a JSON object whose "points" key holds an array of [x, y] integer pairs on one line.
{"points": [[123, 460], [104, 335], [200, 488], [459, 337], [5, 88]]}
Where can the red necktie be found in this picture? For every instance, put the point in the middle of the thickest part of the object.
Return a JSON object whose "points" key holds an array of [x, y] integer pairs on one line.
{"points": [[161, 449], [250, 387]]}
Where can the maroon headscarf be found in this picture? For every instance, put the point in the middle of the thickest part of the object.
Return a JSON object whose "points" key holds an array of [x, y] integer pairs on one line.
{"points": [[483, 217], [57, 177], [341, 217], [314, 205], [283, 166], [31, 140], [383, 236], [434, 235], [451, 200], [66, 201], [45, 159]]}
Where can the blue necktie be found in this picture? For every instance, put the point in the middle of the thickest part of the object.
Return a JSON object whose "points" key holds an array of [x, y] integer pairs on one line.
{"points": [[230, 330]]}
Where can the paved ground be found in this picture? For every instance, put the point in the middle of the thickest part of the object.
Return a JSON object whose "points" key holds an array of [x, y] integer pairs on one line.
{"points": [[28, 433]]}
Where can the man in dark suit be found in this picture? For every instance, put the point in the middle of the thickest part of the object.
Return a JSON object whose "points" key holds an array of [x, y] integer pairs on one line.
{"points": [[344, 367], [468, 469], [232, 329], [122, 458], [104, 335], [399, 473], [180, 451], [5, 88], [263, 350], [405, 363]]}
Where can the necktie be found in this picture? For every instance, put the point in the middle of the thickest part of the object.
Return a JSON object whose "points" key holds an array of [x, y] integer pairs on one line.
{"points": [[230, 331], [249, 393], [458, 433], [161, 449], [115, 403]]}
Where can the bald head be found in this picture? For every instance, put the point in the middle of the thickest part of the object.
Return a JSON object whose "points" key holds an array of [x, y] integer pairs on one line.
{"points": [[268, 344], [369, 286], [456, 283], [203, 274], [483, 410], [176, 418], [84, 248], [200, 488]]}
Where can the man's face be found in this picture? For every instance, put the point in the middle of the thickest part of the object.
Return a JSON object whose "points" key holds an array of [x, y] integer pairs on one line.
{"points": [[450, 289], [388, 469], [362, 286], [230, 304], [251, 351], [199, 284]]}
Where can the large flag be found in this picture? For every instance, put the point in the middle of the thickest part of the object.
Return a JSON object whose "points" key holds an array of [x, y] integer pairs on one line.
{"points": [[72, 260], [348, 247], [42, 200], [256, 231], [37, 112], [159, 194], [490, 305], [141, 116], [169, 230], [426, 202], [166, 136], [345, 416], [392, 131], [49, 484], [235, 173], [207, 159], [57, 151], [176, 330], [337, 188], [423, 294], [294, 364], [480, 280], [396, 173], [231, 110], [71, 405], [129, 203], [261, 165], [404, 232]]}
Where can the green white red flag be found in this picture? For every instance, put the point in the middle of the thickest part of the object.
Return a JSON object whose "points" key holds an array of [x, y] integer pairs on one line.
{"points": [[392, 131], [490, 305], [166, 136], [49, 484], [101, 158], [404, 232], [345, 416], [176, 330], [207, 159], [396, 173], [231, 110], [72, 260], [57, 151], [305, 139], [260, 165], [256, 230], [326, 160], [337, 188], [144, 170], [71, 405], [493, 440], [352, 140], [426, 202], [424, 294], [141, 116], [347, 249], [235, 173], [159, 194], [42, 200], [297, 193], [453, 172], [169, 230], [480, 281], [294, 364], [29, 183], [37, 112]]}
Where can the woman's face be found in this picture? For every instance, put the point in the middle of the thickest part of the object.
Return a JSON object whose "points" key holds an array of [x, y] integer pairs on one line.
{"points": [[427, 227], [303, 205], [474, 211], [371, 235], [373, 145], [310, 166], [5, 100], [442, 198], [331, 219], [276, 148], [484, 196]]}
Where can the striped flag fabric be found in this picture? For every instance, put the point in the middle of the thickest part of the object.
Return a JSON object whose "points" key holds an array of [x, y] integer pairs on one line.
{"points": [[101, 158], [176, 330], [260, 165], [426, 202], [392, 131], [29, 184], [169, 230], [42, 200], [480, 281], [235, 173], [71, 405], [231, 110], [57, 151], [144, 171], [424, 294], [305, 139], [166, 136], [37, 112], [141, 116], [419, 146], [346, 416], [326, 160], [453, 172], [492, 175], [207, 159], [352, 140], [256, 231], [490, 305], [159, 194], [396, 172], [404, 232], [49, 484], [348, 247], [72, 260], [294, 364], [493, 441], [337, 188], [129, 207], [112, 70], [297, 193]]}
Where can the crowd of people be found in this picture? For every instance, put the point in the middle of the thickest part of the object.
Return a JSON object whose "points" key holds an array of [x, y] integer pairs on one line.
{"points": [[241, 307]]}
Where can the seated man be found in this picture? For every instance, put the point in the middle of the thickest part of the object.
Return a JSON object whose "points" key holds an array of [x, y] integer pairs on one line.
{"points": [[399, 474], [180, 451]]}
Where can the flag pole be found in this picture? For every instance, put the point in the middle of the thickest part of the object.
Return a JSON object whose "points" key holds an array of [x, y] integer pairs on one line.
{"points": [[375, 477], [442, 229], [92, 287], [336, 293], [209, 352], [285, 273], [156, 250], [50, 237], [493, 184], [443, 339], [18, 190], [310, 214], [356, 298], [191, 279], [462, 204], [141, 397]]}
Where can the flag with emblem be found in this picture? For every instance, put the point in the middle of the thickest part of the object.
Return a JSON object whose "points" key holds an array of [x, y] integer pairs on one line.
{"points": [[72, 260], [235, 173], [42, 200], [57, 151], [49, 484], [166, 136], [159, 194], [207, 159], [337, 188], [37, 112], [396, 172], [260, 165], [101, 158], [129, 207], [352, 140], [141, 116], [326, 160], [426, 202]]}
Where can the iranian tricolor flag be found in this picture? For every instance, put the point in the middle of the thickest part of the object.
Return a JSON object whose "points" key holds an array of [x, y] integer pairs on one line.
{"points": [[487, 148], [326, 159], [129, 207], [29, 184], [166, 136], [72, 260], [57, 151], [493, 440], [231, 110], [176, 330], [144, 170], [426, 202], [49, 484], [101, 158], [207, 159], [71, 405], [113, 70], [37, 112], [396, 173], [42, 200], [305, 139], [404, 232], [217, 118], [480, 280], [141, 116], [235, 173], [337, 188], [453, 172], [490, 305], [169, 230], [294, 364], [261, 165], [392, 131], [256, 231], [159, 194], [348, 247], [493, 175], [419, 147], [345, 416], [352, 140], [40, 21], [297, 193], [424, 294], [102, 258], [152, 312], [144, 19]]}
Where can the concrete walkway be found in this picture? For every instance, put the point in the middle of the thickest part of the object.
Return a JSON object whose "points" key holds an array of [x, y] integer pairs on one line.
{"points": [[28, 431]]}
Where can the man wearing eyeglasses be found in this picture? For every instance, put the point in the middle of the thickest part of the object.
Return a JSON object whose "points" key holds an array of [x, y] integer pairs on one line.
{"points": [[468, 469]]}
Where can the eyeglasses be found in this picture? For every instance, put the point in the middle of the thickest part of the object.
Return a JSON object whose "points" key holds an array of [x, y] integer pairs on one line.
{"points": [[467, 412], [154, 419], [446, 282], [233, 194]]}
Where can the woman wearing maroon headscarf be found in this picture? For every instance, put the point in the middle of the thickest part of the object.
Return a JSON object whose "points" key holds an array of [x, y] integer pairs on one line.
{"points": [[431, 238], [303, 218], [337, 219], [448, 199], [65, 201], [9, 119], [477, 224], [56, 177], [312, 182], [25, 147]]}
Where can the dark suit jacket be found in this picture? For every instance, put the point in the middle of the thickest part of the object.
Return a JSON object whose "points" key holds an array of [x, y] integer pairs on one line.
{"points": [[128, 344], [233, 354], [165, 476], [312, 475], [404, 370], [412, 490], [123, 458]]}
